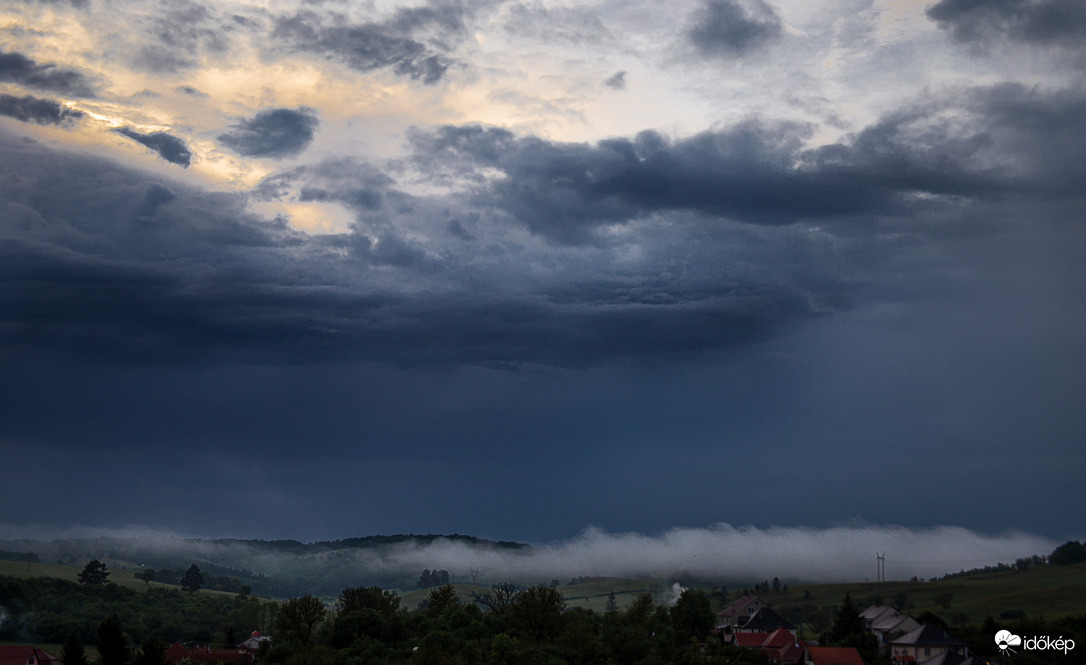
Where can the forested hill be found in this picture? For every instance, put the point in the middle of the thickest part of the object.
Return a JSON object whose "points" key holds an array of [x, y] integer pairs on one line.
{"points": [[282, 568]]}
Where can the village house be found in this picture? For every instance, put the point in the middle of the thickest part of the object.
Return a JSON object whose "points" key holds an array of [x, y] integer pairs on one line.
{"points": [[779, 646], [26, 655], [739, 611], [886, 622], [178, 653], [923, 643]]}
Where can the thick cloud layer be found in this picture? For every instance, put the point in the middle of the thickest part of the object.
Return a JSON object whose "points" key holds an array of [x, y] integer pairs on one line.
{"points": [[747, 262]]}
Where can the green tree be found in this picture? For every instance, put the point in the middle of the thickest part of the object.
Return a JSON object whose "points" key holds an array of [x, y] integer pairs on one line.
{"points": [[298, 618], [354, 599], [193, 579], [95, 572], [501, 598], [111, 643], [943, 599], [692, 616], [153, 652], [538, 610], [848, 631], [1070, 552], [73, 652], [442, 598], [147, 575]]}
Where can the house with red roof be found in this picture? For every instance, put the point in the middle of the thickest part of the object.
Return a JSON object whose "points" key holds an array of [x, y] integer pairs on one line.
{"points": [[779, 646], [179, 653], [833, 656], [26, 655]]}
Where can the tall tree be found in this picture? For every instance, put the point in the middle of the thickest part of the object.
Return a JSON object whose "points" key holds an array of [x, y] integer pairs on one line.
{"points": [[692, 616], [501, 599], [298, 618], [193, 579], [153, 652], [73, 652], [442, 598], [95, 572], [111, 643], [147, 575], [538, 610], [354, 599]]}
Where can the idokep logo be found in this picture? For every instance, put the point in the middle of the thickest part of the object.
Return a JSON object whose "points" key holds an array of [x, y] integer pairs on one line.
{"points": [[1005, 639]]}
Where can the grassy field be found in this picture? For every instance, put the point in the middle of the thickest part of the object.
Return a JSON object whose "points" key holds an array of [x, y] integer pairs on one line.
{"points": [[1045, 591], [120, 573]]}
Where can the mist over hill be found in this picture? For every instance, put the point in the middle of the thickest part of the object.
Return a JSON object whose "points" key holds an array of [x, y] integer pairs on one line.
{"points": [[721, 553]]}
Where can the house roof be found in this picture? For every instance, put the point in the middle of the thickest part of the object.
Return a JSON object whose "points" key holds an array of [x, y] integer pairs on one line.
{"points": [[875, 611], [834, 656], [22, 655], [928, 635], [752, 640], [766, 619], [944, 658], [889, 623], [737, 606]]}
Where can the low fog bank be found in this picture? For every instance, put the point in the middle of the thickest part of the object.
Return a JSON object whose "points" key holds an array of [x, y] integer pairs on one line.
{"points": [[724, 552], [721, 552]]}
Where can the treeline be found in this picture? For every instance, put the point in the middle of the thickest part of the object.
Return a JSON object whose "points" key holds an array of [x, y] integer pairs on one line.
{"points": [[19, 556], [508, 626], [1070, 552], [47, 610]]}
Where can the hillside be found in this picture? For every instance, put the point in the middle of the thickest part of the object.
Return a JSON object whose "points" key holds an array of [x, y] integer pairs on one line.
{"points": [[1048, 591]]}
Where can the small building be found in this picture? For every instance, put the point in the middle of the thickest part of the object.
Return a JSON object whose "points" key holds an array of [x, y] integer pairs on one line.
{"points": [[923, 643], [252, 645]]}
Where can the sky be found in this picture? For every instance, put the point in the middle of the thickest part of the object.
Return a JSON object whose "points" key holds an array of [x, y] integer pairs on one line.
{"points": [[541, 271]]}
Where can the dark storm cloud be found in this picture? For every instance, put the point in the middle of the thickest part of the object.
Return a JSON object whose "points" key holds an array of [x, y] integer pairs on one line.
{"points": [[1029, 21], [715, 259], [761, 173], [616, 81], [169, 147], [273, 133], [41, 111], [17, 68], [391, 44], [734, 27]]}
